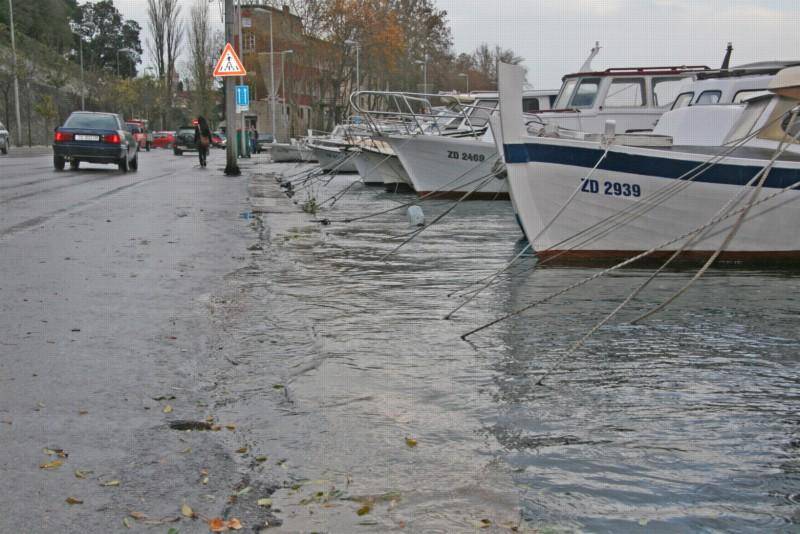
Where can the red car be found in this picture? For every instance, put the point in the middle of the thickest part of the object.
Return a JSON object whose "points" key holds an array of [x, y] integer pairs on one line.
{"points": [[163, 139], [138, 128]]}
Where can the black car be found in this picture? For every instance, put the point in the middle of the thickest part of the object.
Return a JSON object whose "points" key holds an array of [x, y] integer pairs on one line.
{"points": [[184, 140], [95, 138], [263, 141]]}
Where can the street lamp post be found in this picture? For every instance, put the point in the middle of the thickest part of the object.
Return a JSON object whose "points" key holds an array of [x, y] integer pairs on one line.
{"points": [[283, 81], [127, 51], [83, 86], [16, 78], [357, 45], [424, 63], [466, 77]]}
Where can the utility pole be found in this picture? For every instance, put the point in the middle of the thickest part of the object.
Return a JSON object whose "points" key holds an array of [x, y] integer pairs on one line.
{"points": [[83, 103], [231, 165], [272, 74], [16, 70]]}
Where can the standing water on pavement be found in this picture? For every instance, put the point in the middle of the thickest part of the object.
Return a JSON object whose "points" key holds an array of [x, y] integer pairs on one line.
{"points": [[349, 379]]}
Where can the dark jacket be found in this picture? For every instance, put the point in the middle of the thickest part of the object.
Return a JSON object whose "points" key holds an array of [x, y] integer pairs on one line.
{"points": [[201, 129]]}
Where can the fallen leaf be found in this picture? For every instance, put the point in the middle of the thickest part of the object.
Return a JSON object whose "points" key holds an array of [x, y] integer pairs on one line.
{"points": [[241, 450], [167, 409], [110, 483], [244, 491], [187, 511], [73, 500], [261, 459], [139, 516], [217, 525], [82, 474], [364, 510], [234, 524], [411, 442], [55, 464], [483, 523], [215, 428], [230, 427], [172, 530], [205, 480], [164, 397], [264, 502], [83, 412], [127, 522], [187, 450], [55, 452], [277, 386]]}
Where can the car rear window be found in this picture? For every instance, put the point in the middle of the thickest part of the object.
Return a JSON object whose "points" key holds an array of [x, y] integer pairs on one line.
{"points": [[98, 122], [184, 131]]}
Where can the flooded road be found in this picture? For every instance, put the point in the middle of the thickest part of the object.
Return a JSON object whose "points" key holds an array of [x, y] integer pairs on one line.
{"points": [[687, 422], [327, 392]]}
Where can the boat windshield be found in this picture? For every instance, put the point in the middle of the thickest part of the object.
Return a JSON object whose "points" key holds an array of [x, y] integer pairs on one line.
{"points": [[565, 94], [578, 93], [479, 115], [755, 108]]}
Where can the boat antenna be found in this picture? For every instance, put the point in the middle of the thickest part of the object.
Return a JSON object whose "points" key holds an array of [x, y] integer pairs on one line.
{"points": [[726, 62], [587, 65]]}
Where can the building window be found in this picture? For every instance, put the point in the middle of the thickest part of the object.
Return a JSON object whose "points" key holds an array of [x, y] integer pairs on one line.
{"points": [[249, 41]]}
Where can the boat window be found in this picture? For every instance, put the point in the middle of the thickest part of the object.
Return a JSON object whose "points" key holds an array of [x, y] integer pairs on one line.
{"points": [[479, 116], [708, 97], [530, 104], [625, 93], [748, 119], [683, 100], [586, 93], [741, 96], [665, 90], [791, 124], [565, 94], [552, 99]]}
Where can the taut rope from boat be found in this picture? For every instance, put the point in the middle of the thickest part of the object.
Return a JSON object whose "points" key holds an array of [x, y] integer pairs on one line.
{"points": [[490, 279], [486, 180], [761, 176], [633, 259]]}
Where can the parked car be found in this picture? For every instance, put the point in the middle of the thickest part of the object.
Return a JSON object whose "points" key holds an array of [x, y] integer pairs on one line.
{"points": [[95, 138], [144, 137], [263, 140], [163, 139], [4, 139], [184, 141], [218, 139]]}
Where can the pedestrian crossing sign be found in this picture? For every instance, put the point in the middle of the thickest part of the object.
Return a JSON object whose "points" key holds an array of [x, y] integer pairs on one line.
{"points": [[229, 64]]}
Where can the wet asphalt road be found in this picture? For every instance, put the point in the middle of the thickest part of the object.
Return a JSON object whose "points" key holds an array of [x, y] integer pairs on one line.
{"points": [[107, 284]]}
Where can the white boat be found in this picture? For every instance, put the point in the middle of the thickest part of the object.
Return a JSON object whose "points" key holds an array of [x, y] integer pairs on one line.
{"points": [[646, 192], [377, 164], [464, 159], [288, 152], [333, 158]]}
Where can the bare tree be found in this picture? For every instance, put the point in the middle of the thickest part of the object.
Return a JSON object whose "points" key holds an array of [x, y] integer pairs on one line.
{"points": [[157, 35], [201, 48], [166, 34]]}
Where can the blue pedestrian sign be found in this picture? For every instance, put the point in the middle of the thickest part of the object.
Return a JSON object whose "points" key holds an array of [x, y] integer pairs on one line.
{"points": [[243, 97]]}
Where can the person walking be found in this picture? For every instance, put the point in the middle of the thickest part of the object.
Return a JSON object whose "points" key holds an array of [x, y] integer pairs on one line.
{"points": [[202, 138], [253, 139]]}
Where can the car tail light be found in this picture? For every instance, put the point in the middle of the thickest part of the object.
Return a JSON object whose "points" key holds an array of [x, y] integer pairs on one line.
{"points": [[114, 139], [63, 136]]}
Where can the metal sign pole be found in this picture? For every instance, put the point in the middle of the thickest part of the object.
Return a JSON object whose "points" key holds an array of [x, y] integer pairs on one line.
{"points": [[231, 165]]}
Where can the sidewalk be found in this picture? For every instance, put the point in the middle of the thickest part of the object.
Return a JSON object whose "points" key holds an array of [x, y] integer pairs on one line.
{"points": [[24, 151]]}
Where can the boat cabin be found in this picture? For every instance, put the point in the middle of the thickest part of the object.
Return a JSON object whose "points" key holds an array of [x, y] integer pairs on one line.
{"points": [[634, 97], [730, 86]]}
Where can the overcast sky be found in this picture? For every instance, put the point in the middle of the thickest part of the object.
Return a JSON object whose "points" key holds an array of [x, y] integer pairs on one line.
{"points": [[555, 36]]}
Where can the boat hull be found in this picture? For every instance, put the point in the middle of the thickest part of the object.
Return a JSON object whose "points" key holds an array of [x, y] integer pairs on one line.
{"points": [[450, 167], [282, 153], [377, 168], [544, 173], [333, 159]]}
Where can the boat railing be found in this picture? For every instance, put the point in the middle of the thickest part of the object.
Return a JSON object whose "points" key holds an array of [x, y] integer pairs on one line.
{"points": [[412, 113]]}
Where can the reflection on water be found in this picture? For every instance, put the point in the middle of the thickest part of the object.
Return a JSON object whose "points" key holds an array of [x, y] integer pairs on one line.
{"points": [[687, 422]]}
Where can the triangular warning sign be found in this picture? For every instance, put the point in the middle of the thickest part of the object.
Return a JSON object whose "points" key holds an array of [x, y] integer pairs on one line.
{"points": [[229, 64]]}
